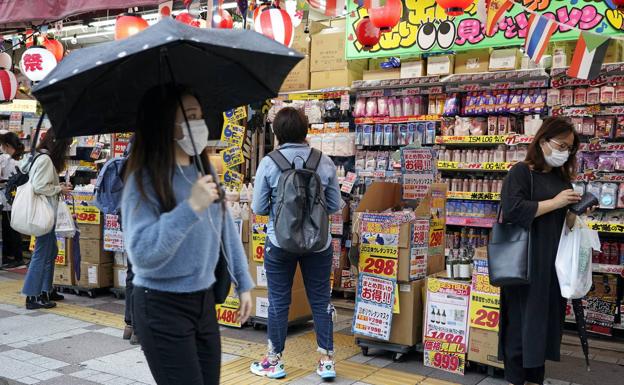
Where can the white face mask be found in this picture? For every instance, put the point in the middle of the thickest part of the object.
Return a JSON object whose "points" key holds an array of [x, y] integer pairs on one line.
{"points": [[556, 158], [199, 130]]}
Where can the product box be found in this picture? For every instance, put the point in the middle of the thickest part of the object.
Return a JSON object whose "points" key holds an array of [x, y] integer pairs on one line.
{"points": [[562, 52], [505, 59], [95, 275], [64, 275], [299, 306], [328, 50], [440, 65], [471, 62], [302, 41], [413, 69], [407, 326], [615, 52], [119, 276], [385, 74], [336, 78], [91, 231], [299, 77], [92, 251], [483, 347], [120, 259]]}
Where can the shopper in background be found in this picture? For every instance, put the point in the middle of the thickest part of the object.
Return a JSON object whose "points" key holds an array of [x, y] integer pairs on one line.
{"points": [[173, 226], [532, 316], [44, 178], [13, 151], [291, 128]]}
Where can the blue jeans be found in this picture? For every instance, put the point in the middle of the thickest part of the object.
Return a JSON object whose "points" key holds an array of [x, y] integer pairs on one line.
{"points": [[41, 268], [280, 267]]}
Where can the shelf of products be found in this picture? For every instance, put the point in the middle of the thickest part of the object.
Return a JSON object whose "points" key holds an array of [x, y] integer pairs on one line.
{"points": [[470, 221]]}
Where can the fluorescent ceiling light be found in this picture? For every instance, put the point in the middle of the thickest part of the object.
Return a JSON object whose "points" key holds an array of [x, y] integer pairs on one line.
{"points": [[88, 35]]}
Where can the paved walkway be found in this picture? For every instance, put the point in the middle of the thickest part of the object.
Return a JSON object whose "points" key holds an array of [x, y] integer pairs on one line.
{"points": [[79, 342]]}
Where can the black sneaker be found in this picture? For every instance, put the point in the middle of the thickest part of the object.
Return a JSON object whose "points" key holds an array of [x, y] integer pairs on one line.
{"points": [[55, 296], [45, 300], [35, 303]]}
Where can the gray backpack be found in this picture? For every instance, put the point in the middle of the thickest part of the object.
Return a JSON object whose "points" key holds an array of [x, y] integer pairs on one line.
{"points": [[301, 220]]}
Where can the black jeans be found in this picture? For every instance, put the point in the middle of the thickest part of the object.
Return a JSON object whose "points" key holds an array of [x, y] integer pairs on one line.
{"points": [[179, 335], [11, 239], [129, 287]]}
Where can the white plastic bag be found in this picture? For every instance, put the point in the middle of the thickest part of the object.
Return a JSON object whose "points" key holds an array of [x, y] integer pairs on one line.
{"points": [[574, 259], [31, 213], [65, 225]]}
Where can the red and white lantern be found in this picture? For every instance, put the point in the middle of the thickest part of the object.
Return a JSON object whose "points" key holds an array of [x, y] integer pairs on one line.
{"points": [[5, 61], [55, 47], [454, 7], [8, 86], [276, 24], [222, 19], [385, 17], [127, 25], [367, 34], [37, 63], [330, 8]]}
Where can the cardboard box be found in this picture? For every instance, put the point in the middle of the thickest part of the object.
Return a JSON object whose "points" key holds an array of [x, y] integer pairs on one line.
{"points": [[505, 59], [120, 259], [299, 77], [394, 73], [91, 231], [615, 52], [440, 65], [337, 78], [408, 324], [328, 50], [95, 275], [64, 275], [119, 276], [302, 41], [483, 347], [299, 306], [471, 62], [413, 69], [92, 251]]}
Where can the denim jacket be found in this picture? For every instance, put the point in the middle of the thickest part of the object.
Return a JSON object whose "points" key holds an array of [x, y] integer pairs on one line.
{"points": [[267, 178]]}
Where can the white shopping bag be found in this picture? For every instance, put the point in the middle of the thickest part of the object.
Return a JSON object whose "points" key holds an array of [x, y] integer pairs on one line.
{"points": [[574, 259], [65, 225], [31, 213]]}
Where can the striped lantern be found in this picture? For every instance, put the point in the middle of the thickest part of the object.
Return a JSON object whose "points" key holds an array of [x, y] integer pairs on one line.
{"points": [[8, 86], [331, 8], [276, 24]]}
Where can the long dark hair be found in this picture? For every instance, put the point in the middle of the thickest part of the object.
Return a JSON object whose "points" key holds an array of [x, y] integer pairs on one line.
{"points": [[11, 139], [56, 149], [553, 127], [152, 156]]}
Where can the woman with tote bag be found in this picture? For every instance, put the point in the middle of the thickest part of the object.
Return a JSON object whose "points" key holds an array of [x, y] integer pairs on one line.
{"points": [[43, 173], [13, 151]]}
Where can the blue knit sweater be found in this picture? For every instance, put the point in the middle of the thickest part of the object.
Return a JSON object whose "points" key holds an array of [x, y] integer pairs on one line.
{"points": [[177, 251]]}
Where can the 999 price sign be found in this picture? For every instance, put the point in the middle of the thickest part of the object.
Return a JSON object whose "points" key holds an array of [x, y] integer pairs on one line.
{"points": [[449, 362]]}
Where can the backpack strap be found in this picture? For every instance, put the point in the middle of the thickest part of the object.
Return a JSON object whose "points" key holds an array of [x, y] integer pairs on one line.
{"points": [[313, 160], [280, 160]]}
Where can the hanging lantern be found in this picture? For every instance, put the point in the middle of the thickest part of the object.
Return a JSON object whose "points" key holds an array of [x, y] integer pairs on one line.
{"points": [[259, 8], [37, 63], [619, 4], [55, 47], [387, 16], [367, 34], [129, 24], [5, 61], [455, 7], [185, 18], [276, 24], [222, 19], [8, 86]]}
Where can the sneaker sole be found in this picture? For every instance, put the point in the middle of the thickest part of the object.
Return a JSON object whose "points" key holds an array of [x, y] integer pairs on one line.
{"points": [[327, 376], [267, 375]]}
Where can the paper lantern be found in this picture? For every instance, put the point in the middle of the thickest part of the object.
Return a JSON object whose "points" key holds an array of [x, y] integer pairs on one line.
{"points": [[55, 47], [387, 16], [276, 24], [619, 4], [5, 61], [454, 7], [367, 34], [223, 19], [185, 18], [37, 63], [8, 86], [259, 8], [128, 25]]}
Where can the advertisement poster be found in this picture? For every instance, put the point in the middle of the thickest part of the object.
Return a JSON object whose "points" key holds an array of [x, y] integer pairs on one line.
{"points": [[113, 237], [86, 212], [232, 156], [446, 325], [233, 134], [484, 299], [416, 186], [379, 249], [416, 160], [425, 27], [258, 236], [373, 307], [233, 180], [235, 114], [600, 315], [120, 143]]}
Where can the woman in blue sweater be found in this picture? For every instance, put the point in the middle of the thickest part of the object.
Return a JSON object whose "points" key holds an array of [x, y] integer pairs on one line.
{"points": [[172, 230]]}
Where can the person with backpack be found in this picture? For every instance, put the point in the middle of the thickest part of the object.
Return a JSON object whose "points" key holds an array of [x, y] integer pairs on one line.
{"points": [[43, 172], [13, 151], [298, 188]]}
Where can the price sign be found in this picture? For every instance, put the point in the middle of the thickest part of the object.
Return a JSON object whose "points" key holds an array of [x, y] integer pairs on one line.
{"points": [[436, 236], [348, 182], [88, 215], [258, 237], [374, 307], [227, 313], [606, 227], [233, 134], [417, 160], [61, 255], [113, 237], [379, 266], [232, 156], [235, 114], [233, 180], [449, 362], [496, 166], [484, 311], [448, 165]]}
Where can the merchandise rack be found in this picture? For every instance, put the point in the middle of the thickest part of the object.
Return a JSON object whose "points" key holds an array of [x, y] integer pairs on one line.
{"points": [[80, 290], [398, 351]]}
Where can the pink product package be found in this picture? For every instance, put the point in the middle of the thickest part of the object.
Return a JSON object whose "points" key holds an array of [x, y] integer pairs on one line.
{"points": [[620, 203], [619, 127], [408, 106], [589, 126], [606, 162], [359, 110], [604, 127], [382, 106], [371, 107], [590, 160], [619, 161]]}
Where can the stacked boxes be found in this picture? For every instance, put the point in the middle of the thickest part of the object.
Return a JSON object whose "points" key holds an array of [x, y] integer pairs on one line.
{"points": [[299, 77], [328, 65], [96, 265]]}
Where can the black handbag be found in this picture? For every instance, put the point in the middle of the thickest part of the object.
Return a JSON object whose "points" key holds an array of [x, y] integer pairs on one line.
{"points": [[221, 287], [509, 252]]}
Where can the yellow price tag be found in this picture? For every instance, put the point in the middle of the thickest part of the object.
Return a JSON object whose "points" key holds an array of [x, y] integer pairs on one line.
{"points": [[233, 134], [484, 311], [88, 215], [232, 156]]}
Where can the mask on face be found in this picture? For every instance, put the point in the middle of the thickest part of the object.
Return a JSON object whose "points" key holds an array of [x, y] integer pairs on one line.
{"points": [[556, 158], [199, 130]]}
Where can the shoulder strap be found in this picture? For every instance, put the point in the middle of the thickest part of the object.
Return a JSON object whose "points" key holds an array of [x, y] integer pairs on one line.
{"points": [[280, 160], [32, 160], [313, 160]]}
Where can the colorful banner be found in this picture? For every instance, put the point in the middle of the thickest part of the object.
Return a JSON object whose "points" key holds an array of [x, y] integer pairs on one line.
{"points": [[373, 307], [425, 27], [258, 237]]}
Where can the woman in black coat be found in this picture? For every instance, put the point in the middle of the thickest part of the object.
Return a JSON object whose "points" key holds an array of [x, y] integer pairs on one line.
{"points": [[536, 194]]}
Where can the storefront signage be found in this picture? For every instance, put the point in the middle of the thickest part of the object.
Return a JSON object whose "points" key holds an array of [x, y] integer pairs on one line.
{"points": [[258, 237], [374, 307], [425, 27], [416, 160]]}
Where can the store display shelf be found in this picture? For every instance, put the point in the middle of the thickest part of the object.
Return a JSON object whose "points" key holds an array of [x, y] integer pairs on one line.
{"points": [[485, 166], [596, 145], [474, 196], [332, 93], [379, 174], [470, 222], [599, 176], [610, 73], [424, 81], [401, 119], [510, 139], [500, 80], [606, 227], [587, 111], [608, 269]]}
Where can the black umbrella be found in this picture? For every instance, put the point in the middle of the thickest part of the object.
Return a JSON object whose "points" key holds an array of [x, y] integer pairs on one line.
{"points": [[579, 315], [96, 90]]}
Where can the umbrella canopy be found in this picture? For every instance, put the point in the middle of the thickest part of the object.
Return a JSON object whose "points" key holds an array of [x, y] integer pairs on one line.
{"points": [[96, 90]]}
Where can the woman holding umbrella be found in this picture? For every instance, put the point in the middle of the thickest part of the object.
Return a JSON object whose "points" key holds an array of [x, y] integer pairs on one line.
{"points": [[173, 226]]}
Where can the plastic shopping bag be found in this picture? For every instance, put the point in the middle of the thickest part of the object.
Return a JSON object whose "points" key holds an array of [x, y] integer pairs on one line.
{"points": [[31, 214], [65, 226], [574, 259]]}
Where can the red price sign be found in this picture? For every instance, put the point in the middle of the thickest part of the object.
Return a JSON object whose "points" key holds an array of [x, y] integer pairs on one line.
{"points": [[448, 362], [228, 317], [436, 237], [89, 215], [385, 267]]}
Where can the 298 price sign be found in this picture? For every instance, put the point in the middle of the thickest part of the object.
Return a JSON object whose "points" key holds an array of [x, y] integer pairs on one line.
{"points": [[385, 267]]}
